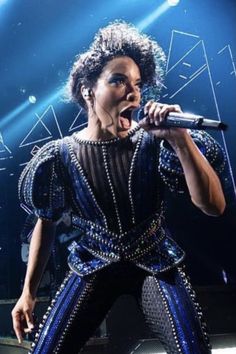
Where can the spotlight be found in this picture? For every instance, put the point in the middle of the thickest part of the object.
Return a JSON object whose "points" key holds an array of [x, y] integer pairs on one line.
{"points": [[173, 2], [154, 15], [32, 99]]}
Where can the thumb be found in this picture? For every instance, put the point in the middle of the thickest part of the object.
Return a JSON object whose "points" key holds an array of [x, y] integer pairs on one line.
{"points": [[144, 122]]}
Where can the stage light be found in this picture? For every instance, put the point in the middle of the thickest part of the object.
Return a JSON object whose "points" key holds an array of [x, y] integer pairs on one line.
{"points": [[2, 2], [24, 121], [15, 112], [32, 99], [173, 2], [148, 20]]}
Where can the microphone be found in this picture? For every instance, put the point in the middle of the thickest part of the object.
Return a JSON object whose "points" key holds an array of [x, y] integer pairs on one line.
{"points": [[185, 120]]}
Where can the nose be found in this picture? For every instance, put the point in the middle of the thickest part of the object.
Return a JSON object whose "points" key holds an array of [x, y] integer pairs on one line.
{"points": [[133, 93], [131, 97]]}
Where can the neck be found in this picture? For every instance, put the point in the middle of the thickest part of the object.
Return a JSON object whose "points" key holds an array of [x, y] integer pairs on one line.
{"points": [[95, 131]]}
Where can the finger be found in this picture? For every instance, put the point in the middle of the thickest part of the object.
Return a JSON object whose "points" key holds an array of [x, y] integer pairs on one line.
{"points": [[177, 108], [17, 327], [28, 330], [147, 106], [29, 320], [148, 109], [157, 118], [153, 112], [165, 109]]}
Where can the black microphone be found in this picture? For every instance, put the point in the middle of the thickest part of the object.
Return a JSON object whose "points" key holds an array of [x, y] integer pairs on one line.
{"points": [[185, 120]]}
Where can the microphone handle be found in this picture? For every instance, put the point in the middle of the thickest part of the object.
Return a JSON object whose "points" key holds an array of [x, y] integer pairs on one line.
{"points": [[188, 121]]}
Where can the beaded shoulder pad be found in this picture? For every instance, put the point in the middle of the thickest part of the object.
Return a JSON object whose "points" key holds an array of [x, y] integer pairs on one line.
{"points": [[40, 185], [171, 170]]}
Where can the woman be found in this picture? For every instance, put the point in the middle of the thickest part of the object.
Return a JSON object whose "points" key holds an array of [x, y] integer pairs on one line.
{"points": [[111, 177]]}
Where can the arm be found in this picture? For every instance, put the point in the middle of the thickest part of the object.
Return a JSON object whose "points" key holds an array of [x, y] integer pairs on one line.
{"points": [[202, 181], [40, 248]]}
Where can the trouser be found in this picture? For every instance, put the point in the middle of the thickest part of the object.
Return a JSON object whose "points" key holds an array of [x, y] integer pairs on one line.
{"points": [[167, 302]]}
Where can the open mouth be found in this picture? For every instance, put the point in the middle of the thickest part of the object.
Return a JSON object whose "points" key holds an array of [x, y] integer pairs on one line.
{"points": [[127, 113], [126, 118]]}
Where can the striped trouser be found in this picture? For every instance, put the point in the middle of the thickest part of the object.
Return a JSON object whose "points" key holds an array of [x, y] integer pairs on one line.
{"points": [[167, 302]]}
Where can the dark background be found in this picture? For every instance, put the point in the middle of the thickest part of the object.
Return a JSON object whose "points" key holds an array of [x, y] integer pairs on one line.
{"points": [[38, 42]]}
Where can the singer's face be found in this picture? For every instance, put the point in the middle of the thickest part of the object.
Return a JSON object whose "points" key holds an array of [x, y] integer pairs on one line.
{"points": [[117, 93]]}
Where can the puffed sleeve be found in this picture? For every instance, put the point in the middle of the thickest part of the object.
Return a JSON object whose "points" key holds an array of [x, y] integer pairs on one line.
{"points": [[41, 186], [171, 170]]}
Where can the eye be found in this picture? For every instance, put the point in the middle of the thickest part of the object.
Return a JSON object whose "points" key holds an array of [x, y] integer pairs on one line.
{"points": [[117, 81], [139, 85]]}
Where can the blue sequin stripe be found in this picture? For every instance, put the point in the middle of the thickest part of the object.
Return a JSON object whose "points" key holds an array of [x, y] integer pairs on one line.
{"points": [[65, 302], [43, 337], [184, 319], [198, 310]]}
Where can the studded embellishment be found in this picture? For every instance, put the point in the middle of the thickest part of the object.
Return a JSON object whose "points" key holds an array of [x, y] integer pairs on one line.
{"points": [[45, 339], [131, 175], [170, 168], [197, 306]]}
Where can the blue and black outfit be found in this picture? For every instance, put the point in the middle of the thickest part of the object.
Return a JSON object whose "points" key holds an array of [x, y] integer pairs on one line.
{"points": [[114, 190]]}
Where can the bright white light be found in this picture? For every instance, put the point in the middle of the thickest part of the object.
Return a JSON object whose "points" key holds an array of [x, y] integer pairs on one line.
{"points": [[148, 20], [224, 351], [32, 99], [173, 2], [214, 351]]}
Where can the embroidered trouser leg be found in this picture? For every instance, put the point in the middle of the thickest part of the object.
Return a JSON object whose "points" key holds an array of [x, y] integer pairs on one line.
{"points": [[168, 303], [73, 316], [170, 308]]}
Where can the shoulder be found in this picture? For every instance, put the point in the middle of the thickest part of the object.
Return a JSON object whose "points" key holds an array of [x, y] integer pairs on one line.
{"points": [[47, 152], [44, 157], [41, 185]]}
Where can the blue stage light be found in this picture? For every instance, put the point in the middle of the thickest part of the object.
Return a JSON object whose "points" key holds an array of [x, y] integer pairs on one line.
{"points": [[32, 99], [173, 2], [11, 115], [148, 20], [23, 121]]}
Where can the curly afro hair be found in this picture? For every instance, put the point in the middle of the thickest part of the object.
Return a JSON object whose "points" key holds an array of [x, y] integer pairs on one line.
{"points": [[118, 39]]}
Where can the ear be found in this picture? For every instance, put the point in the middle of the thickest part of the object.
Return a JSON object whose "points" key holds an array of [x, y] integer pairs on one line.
{"points": [[86, 93]]}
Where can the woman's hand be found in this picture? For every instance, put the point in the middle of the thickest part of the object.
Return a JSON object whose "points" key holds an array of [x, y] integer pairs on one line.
{"points": [[22, 316], [40, 250], [156, 114]]}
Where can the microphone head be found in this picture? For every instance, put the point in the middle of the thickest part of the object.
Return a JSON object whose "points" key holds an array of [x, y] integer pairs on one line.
{"points": [[223, 126]]}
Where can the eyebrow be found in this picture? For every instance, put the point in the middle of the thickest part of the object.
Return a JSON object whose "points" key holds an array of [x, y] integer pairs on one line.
{"points": [[123, 76]]}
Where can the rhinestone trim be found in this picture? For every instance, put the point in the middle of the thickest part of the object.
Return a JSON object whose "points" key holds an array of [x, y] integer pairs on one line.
{"points": [[105, 142]]}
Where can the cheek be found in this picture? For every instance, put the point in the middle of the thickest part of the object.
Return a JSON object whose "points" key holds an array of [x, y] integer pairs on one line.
{"points": [[111, 95]]}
